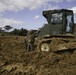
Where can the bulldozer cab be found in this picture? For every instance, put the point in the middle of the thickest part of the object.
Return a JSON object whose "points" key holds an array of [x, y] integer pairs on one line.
{"points": [[59, 22]]}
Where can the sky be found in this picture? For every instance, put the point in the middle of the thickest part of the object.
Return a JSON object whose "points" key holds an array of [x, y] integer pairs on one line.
{"points": [[27, 14]]}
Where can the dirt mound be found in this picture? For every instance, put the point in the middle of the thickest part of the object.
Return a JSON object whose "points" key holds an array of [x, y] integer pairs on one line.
{"points": [[15, 60]]}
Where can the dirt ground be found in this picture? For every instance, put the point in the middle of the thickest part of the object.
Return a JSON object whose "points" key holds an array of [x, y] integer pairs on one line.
{"points": [[15, 60]]}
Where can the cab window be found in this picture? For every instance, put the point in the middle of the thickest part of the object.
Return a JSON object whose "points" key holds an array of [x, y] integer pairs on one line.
{"points": [[69, 23], [56, 18]]}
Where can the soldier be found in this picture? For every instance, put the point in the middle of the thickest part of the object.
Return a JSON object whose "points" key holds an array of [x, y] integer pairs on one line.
{"points": [[16, 37], [25, 42], [30, 41]]}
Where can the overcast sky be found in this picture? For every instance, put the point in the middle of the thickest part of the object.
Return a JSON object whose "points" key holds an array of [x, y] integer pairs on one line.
{"points": [[28, 13]]}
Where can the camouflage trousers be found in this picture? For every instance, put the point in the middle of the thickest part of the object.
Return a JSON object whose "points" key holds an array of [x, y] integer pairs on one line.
{"points": [[30, 46]]}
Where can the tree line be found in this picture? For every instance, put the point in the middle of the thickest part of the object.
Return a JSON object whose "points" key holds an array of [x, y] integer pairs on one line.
{"points": [[6, 31]]}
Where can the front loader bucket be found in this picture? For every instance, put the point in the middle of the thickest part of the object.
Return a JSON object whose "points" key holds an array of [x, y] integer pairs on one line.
{"points": [[66, 46]]}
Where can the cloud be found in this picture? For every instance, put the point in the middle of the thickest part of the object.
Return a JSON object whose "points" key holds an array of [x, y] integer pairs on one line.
{"points": [[5, 21], [50, 7], [70, 0], [17, 5], [74, 10], [36, 17]]}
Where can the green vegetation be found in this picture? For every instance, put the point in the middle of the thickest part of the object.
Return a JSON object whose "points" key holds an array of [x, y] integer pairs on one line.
{"points": [[6, 31], [21, 32], [8, 27]]}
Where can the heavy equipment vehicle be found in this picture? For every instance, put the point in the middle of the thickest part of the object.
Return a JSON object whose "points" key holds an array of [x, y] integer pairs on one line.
{"points": [[59, 33]]}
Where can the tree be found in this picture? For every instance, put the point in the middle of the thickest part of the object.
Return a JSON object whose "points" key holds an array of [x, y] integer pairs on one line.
{"points": [[8, 27], [21, 32], [15, 31], [1, 30]]}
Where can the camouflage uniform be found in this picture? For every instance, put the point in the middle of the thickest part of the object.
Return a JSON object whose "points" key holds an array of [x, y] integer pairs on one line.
{"points": [[25, 42], [30, 41]]}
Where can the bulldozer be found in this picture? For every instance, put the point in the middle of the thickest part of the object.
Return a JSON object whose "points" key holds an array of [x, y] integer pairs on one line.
{"points": [[59, 34]]}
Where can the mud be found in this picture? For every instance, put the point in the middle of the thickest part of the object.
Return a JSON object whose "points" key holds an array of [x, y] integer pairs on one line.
{"points": [[15, 60]]}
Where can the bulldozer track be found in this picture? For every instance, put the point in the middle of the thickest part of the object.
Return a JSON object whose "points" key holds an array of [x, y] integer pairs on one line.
{"points": [[53, 44]]}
